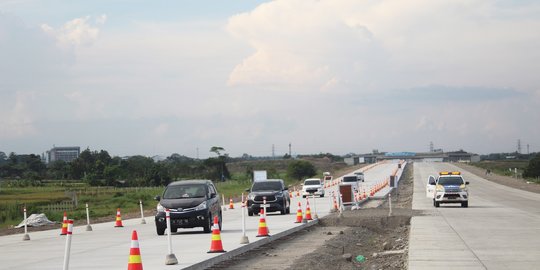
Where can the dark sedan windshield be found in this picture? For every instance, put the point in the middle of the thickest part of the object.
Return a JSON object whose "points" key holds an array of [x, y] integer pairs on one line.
{"points": [[266, 185], [350, 179], [184, 191]]}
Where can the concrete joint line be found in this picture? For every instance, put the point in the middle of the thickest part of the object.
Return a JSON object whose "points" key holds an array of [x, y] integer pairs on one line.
{"points": [[462, 240]]}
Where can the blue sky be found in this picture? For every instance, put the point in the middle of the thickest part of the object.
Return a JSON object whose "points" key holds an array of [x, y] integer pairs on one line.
{"points": [[163, 77]]}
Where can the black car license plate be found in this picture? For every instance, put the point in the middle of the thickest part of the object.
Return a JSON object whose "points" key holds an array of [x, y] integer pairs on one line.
{"points": [[181, 221]]}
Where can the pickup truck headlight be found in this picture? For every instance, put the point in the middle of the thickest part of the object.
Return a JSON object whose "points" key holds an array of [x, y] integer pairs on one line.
{"points": [[439, 188], [463, 187], [201, 206], [160, 208]]}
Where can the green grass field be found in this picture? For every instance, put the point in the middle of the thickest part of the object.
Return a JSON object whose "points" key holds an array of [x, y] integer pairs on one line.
{"points": [[502, 167]]}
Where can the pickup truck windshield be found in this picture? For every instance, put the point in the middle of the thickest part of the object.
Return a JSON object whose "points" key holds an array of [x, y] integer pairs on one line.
{"points": [[451, 181], [264, 185], [312, 183]]}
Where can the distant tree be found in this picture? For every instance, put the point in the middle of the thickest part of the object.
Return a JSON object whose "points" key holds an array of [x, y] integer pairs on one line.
{"points": [[533, 169], [300, 169], [286, 156], [217, 150], [3, 157]]}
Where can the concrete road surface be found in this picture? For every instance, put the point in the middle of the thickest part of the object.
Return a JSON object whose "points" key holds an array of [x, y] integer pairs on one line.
{"points": [[107, 247], [499, 230]]}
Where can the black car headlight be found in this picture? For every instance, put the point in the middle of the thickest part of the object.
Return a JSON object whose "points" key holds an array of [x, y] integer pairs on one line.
{"points": [[201, 206]]}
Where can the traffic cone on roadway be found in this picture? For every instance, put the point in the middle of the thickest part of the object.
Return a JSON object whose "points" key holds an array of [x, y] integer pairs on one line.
{"points": [[299, 215], [216, 246], [335, 204], [308, 211], [118, 219], [231, 204], [135, 262], [64, 229], [263, 229], [297, 193]]}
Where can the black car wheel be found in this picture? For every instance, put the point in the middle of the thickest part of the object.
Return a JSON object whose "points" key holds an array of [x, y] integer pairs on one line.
{"points": [[465, 204], [208, 227], [160, 230], [250, 213], [220, 219]]}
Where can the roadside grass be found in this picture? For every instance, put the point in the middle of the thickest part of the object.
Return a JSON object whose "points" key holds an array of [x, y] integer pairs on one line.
{"points": [[103, 201], [502, 167]]}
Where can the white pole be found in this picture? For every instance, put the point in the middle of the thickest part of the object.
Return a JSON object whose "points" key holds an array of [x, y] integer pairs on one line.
{"points": [[244, 239], [26, 236], [88, 227], [314, 207], [142, 213], [390, 204], [170, 258], [264, 207], [68, 244], [223, 199]]}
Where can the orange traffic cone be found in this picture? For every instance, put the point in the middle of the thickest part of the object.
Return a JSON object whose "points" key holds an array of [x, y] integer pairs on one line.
{"points": [[231, 204], [299, 215], [135, 262], [216, 246], [263, 230], [290, 195], [298, 193], [335, 204], [118, 219], [308, 211], [64, 229]]}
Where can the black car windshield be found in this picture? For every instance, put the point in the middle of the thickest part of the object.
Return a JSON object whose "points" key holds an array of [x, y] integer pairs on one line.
{"points": [[312, 183], [184, 191], [350, 179], [450, 181], [266, 185]]}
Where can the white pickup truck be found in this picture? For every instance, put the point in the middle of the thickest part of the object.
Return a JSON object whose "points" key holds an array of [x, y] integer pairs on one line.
{"points": [[450, 188], [312, 186]]}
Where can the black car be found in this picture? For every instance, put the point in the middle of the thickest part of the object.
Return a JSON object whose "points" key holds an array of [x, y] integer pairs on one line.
{"points": [[192, 203], [276, 193]]}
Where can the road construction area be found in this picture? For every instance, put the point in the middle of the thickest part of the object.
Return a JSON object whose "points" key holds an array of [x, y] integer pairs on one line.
{"points": [[108, 247]]}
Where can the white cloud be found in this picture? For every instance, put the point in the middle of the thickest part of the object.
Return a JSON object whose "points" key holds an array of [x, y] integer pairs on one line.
{"points": [[376, 45], [17, 120], [76, 32]]}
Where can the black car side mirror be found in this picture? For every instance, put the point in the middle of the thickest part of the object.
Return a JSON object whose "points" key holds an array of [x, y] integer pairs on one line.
{"points": [[286, 188], [157, 198], [212, 195], [466, 183]]}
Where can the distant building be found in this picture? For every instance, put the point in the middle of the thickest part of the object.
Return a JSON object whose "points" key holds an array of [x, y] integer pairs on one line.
{"points": [[66, 154]]}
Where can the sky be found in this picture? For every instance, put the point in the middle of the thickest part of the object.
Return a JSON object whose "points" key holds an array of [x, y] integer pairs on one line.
{"points": [[161, 77]]}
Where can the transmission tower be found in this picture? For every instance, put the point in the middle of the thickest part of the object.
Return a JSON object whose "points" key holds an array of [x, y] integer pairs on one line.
{"points": [[273, 152], [519, 146], [528, 153], [290, 150], [431, 148]]}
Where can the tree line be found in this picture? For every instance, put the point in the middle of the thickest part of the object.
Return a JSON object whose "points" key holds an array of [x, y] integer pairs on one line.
{"points": [[99, 168]]}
